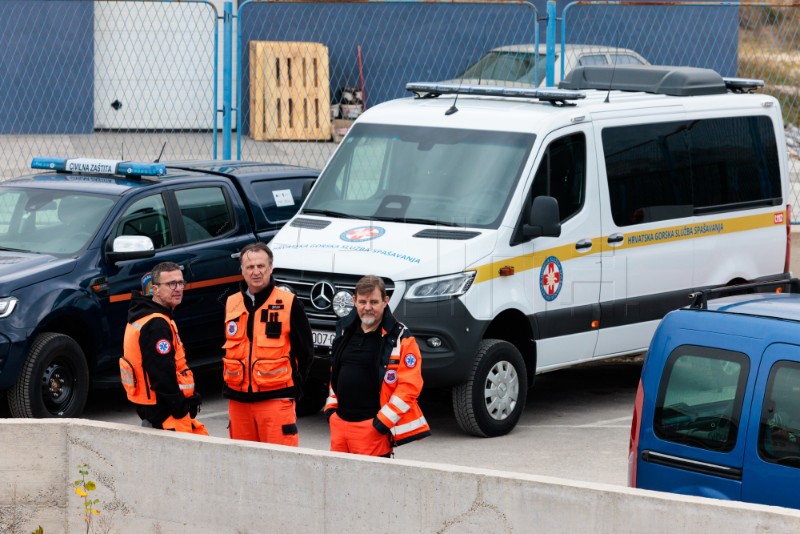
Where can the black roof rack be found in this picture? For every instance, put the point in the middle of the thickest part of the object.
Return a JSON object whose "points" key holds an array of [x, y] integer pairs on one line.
{"points": [[700, 298], [655, 79], [552, 95]]}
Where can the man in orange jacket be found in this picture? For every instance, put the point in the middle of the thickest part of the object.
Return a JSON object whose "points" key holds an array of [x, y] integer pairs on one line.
{"points": [[375, 378], [268, 353], [153, 367]]}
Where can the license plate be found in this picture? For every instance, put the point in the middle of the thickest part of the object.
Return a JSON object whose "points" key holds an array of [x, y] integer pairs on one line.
{"points": [[322, 338]]}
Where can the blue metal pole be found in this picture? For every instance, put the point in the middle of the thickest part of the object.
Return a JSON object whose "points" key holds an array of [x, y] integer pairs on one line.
{"points": [[550, 39], [227, 80]]}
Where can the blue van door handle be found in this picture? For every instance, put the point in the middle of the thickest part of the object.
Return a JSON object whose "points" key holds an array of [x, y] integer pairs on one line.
{"points": [[583, 243], [616, 238]]}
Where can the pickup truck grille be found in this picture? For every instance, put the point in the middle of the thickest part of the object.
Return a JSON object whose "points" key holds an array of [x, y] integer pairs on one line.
{"points": [[318, 310]]}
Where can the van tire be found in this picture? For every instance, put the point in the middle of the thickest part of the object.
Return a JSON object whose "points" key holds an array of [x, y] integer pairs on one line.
{"points": [[498, 364], [54, 380]]}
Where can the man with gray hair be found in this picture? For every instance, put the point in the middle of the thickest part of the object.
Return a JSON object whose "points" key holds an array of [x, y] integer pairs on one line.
{"points": [[375, 378]]}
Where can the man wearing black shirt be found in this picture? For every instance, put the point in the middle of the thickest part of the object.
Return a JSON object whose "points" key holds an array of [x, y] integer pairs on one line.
{"points": [[375, 378]]}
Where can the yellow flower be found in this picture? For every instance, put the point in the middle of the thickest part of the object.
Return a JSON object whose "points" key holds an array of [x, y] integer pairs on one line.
{"points": [[96, 512], [81, 492]]}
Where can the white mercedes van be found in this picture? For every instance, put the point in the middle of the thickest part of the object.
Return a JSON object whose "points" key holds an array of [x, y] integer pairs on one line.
{"points": [[520, 231]]}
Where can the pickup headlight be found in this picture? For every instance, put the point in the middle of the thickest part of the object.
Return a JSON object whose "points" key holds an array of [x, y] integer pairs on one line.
{"points": [[441, 287], [7, 306]]}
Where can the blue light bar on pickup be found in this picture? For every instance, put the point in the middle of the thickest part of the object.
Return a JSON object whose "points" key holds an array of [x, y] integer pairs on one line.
{"points": [[99, 166]]}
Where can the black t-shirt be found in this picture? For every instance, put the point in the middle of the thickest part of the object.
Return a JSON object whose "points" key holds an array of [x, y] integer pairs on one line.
{"points": [[358, 387]]}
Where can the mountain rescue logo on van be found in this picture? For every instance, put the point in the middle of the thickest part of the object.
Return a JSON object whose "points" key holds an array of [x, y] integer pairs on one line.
{"points": [[362, 233], [551, 278]]}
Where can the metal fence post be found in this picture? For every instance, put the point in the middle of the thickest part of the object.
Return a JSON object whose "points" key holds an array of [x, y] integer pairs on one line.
{"points": [[227, 79], [550, 39]]}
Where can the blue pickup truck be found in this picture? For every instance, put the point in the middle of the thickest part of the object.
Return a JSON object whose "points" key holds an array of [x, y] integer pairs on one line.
{"points": [[77, 238], [717, 413]]}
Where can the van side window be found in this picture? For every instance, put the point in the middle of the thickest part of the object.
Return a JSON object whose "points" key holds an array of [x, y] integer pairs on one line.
{"points": [[147, 217], [779, 429], [562, 174], [677, 169], [205, 213], [700, 397]]}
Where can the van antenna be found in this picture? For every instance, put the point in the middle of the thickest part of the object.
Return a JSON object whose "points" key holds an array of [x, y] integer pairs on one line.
{"points": [[452, 109], [613, 67], [158, 159]]}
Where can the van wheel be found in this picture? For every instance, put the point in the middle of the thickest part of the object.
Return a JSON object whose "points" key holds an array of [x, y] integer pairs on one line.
{"points": [[54, 381], [491, 401]]}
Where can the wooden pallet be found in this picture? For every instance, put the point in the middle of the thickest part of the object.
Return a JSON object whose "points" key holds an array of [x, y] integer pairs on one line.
{"points": [[289, 91]]}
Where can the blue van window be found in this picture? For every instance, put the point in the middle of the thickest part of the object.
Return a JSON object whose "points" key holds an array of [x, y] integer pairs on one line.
{"points": [[779, 431], [700, 397]]}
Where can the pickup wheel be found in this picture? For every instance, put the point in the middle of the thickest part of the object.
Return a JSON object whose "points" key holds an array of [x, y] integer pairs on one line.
{"points": [[491, 401], [54, 381]]}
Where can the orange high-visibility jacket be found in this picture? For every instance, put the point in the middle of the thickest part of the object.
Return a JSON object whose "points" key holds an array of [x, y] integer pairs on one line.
{"points": [[401, 385], [134, 379], [264, 363]]}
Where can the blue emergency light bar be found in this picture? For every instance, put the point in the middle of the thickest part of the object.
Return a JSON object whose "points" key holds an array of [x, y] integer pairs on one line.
{"points": [[99, 166]]}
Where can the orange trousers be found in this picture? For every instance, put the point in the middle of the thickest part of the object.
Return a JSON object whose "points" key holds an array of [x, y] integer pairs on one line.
{"points": [[358, 438], [268, 421]]}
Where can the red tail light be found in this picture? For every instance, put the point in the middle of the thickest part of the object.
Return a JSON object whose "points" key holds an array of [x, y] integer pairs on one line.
{"points": [[633, 444], [788, 237]]}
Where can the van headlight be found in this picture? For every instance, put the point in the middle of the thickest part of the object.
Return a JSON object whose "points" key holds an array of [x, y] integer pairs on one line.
{"points": [[7, 306], [441, 287]]}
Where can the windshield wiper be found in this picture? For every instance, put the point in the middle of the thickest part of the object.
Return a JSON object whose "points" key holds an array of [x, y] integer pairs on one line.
{"points": [[331, 213], [417, 220], [9, 249]]}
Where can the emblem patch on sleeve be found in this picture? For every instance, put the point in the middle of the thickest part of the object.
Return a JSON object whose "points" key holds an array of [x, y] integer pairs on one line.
{"points": [[410, 360], [163, 346], [232, 328], [390, 377]]}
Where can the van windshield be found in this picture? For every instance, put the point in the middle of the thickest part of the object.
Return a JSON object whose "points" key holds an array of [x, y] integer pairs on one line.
{"points": [[425, 175]]}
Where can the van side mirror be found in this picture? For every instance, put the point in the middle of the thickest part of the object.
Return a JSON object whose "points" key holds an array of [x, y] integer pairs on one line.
{"points": [[543, 219]]}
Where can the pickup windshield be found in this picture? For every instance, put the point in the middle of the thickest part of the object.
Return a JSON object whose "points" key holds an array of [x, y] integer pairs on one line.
{"points": [[49, 222], [410, 174]]}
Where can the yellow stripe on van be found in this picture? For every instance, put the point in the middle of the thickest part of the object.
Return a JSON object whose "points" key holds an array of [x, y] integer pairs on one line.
{"points": [[690, 231], [532, 261], [655, 236]]}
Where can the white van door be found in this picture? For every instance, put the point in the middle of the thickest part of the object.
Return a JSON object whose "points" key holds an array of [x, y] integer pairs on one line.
{"points": [[565, 278], [646, 259], [673, 192]]}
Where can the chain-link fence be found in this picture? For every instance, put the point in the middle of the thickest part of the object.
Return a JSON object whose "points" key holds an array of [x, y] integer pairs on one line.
{"points": [[126, 78], [106, 79], [308, 69], [746, 40]]}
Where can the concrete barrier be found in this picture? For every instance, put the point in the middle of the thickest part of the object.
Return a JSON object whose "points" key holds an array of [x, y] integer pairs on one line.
{"points": [[151, 481]]}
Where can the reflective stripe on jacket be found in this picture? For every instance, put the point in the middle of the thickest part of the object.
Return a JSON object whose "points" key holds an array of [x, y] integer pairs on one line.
{"points": [[264, 363], [134, 379]]}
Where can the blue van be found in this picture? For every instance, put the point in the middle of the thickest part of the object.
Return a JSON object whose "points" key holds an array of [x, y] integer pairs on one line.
{"points": [[717, 413]]}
